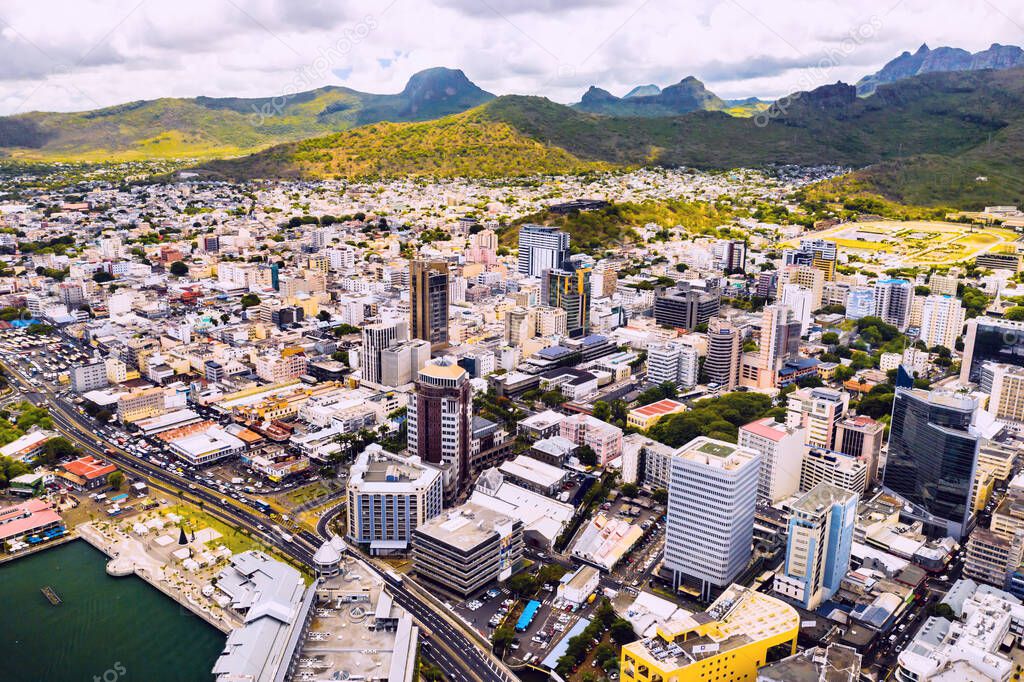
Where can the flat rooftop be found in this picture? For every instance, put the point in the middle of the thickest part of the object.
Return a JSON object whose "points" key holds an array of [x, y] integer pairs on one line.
{"points": [[465, 526]]}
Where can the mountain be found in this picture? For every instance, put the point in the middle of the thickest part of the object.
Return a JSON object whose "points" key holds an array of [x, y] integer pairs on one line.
{"points": [[685, 96], [643, 91], [942, 59], [221, 126], [969, 124]]}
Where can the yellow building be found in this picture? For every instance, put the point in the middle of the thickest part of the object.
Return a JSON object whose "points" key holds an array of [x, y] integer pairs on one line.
{"points": [[647, 416], [742, 631]]}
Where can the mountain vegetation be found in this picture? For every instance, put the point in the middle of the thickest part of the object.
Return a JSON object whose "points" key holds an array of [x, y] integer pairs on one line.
{"points": [[926, 60]]}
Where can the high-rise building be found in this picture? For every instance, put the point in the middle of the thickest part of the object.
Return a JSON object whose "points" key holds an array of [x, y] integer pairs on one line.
{"points": [[440, 422], [819, 410], [428, 302], [722, 365], [401, 361], [805, 276], [672, 362], [782, 453], [942, 320], [861, 437], [991, 340], [1005, 387], [892, 302], [541, 247], [798, 300], [686, 306], [72, 295], [730, 255], [835, 468], [712, 497], [89, 377], [483, 247], [933, 453], [860, 302], [780, 337], [943, 285], [377, 337], [569, 289], [817, 253], [818, 549], [389, 496]]}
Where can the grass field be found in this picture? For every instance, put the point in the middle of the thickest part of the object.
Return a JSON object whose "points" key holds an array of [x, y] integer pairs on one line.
{"points": [[917, 242]]}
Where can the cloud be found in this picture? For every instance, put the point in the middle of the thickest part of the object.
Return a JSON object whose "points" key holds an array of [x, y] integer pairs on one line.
{"points": [[73, 54]]}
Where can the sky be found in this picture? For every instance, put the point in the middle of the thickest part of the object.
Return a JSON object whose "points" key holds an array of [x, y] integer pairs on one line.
{"points": [[69, 55]]}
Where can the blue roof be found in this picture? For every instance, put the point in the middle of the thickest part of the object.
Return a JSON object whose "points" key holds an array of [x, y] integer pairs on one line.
{"points": [[527, 616], [553, 352], [592, 339]]}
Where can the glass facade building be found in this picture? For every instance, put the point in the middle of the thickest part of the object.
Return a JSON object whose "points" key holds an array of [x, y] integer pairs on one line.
{"points": [[991, 340], [933, 452]]}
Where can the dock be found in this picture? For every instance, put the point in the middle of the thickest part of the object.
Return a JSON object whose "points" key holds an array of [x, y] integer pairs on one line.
{"points": [[51, 595]]}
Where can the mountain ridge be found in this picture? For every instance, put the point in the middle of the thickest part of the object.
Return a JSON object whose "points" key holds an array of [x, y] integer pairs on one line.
{"points": [[941, 59]]}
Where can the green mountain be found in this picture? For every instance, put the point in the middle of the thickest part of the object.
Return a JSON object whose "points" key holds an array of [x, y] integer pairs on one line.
{"points": [[206, 127], [942, 59], [685, 96], [968, 124]]}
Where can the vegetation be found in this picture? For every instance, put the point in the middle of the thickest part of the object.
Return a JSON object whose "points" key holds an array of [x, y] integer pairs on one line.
{"points": [[718, 418]]}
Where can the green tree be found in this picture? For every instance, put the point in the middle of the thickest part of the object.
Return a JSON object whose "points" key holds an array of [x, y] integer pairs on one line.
{"points": [[586, 455], [502, 638], [522, 584], [101, 276], [830, 338], [179, 268], [1015, 313], [553, 398], [115, 480], [629, 489], [622, 631], [602, 410], [249, 300]]}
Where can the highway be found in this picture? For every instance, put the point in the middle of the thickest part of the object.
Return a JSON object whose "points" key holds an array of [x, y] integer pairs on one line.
{"points": [[448, 647]]}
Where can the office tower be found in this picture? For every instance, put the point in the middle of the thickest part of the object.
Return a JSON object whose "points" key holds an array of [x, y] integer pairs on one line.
{"points": [[569, 290], [819, 410], [780, 337], [991, 340], [401, 361], [211, 243], [389, 497], [440, 417], [782, 453], [730, 255], [541, 248], [712, 497], [861, 437], [933, 452], [483, 247], [817, 253], [89, 377], [943, 285], [722, 365], [942, 319], [860, 302], [892, 302], [377, 337], [675, 363], [835, 468], [606, 280], [686, 307], [520, 326], [806, 277], [818, 548], [1005, 387], [428, 302], [767, 285], [72, 295], [798, 300]]}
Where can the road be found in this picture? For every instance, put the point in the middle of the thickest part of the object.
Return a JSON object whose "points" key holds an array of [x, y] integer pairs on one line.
{"points": [[452, 650]]}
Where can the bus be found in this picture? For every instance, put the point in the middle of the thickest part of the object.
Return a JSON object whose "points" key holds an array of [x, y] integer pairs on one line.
{"points": [[261, 506]]}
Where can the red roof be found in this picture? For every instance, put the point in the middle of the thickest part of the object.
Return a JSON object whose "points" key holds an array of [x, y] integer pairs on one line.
{"points": [[661, 407], [23, 518], [765, 429], [89, 467]]}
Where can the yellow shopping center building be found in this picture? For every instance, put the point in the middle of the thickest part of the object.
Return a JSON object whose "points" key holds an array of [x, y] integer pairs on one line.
{"points": [[740, 632]]}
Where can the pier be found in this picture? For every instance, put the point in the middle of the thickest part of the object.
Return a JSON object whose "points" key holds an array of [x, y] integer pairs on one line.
{"points": [[51, 595]]}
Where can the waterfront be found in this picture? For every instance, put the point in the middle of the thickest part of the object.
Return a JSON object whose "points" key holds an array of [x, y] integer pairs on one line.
{"points": [[106, 628]]}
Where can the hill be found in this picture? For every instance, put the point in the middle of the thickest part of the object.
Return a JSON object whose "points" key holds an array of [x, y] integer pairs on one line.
{"points": [[685, 96], [969, 123], [205, 127], [941, 59]]}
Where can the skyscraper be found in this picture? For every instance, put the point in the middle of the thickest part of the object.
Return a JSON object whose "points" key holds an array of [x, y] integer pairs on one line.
{"points": [[377, 337], [933, 452], [819, 410], [780, 337], [782, 453], [712, 497], [820, 541], [674, 363], [686, 306], [722, 365], [818, 253], [428, 302], [892, 302], [440, 426], [942, 320], [541, 247], [861, 437], [991, 340], [569, 289]]}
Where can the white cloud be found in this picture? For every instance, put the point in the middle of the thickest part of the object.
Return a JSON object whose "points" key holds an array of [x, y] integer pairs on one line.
{"points": [[80, 54]]}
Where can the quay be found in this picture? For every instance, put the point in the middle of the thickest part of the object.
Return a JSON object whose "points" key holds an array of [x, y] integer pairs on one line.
{"points": [[51, 595]]}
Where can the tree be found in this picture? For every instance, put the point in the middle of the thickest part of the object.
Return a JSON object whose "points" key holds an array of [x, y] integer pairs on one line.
{"points": [[104, 416], [843, 373], [586, 455], [830, 338], [249, 300], [101, 276], [553, 398], [522, 584], [57, 449], [323, 316], [602, 411], [629, 489], [502, 638], [622, 631], [179, 268], [660, 495], [115, 480]]}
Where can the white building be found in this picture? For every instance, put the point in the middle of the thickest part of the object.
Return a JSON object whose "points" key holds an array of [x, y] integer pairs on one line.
{"points": [[942, 320], [782, 455]]}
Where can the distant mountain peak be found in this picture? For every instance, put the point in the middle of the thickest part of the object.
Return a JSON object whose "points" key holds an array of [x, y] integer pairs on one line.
{"points": [[648, 90], [941, 59], [596, 94]]}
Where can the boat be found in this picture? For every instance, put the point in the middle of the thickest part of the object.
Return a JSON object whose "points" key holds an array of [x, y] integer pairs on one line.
{"points": [[51, 595]]}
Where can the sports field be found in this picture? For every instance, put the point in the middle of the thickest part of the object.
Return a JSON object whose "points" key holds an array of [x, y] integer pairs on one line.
{"points": [[917, 242]]}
